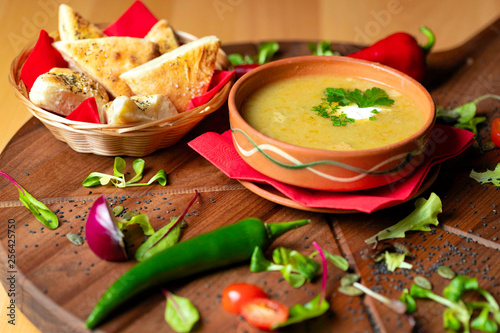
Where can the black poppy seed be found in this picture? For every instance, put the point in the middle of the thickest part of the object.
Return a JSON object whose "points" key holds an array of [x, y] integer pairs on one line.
{"points": [[25, 246], [36, 245]]}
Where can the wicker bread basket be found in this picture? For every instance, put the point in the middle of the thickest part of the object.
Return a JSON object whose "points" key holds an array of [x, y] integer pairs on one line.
{"points": [[112, 140]]}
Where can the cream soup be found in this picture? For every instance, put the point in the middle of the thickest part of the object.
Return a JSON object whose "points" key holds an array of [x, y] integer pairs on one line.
{"points": [[283, 111]]}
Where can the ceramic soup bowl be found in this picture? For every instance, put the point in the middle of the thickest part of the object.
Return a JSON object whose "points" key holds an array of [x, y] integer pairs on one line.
{"points": [[325, 169]]}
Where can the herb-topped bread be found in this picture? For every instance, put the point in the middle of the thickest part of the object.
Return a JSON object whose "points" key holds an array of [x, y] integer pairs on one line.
{"points": [[180, 74], [163, 35], [106, 58], [72, 26], [61, 90], [125, 110]]}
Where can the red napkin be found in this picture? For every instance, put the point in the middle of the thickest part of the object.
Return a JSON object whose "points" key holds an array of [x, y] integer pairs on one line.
{"points": [[447, 142], [42, 59], [135, 22], [219, 79], [87, 112]]}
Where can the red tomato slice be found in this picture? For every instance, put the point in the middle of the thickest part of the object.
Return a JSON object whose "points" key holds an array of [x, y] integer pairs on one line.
{"points": [[263, 313], [495, 132], [235, 295]]}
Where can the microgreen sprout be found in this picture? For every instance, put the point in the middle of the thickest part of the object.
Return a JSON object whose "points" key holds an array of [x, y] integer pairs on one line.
{"points": [[295, 267], [393, 304], [338, 261], [411, 304], [41, 212], [118, 177], [322, 48], [458, 314], [349, 285], [314, 308], [325, 272], [265, 53]]}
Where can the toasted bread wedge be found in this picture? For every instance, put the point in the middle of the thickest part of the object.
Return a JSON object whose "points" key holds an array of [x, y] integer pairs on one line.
{"points": [[163, 35], [124, 110], [104, 59], [61, 90], [180, 74], [72, 26]]}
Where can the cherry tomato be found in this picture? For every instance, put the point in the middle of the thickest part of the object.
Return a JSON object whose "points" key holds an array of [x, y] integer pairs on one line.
{"points": [[264, 313], [235, 295], [495, 132]]}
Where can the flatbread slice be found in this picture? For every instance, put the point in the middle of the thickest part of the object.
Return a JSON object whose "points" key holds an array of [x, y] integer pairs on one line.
{"points": [[180, 74], [104, 59], [126, 110], [72, 26], [163, 35], [61, 90]]}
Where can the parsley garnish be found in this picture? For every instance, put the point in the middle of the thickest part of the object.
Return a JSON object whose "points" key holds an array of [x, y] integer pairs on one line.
{"points": [[337, 97]]}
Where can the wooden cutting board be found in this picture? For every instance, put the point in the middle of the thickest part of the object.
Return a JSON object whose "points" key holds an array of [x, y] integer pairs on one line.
{"points": [[58, 283]]}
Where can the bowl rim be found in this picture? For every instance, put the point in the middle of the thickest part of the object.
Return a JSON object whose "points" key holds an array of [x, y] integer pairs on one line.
{"points": [[234, 112]]}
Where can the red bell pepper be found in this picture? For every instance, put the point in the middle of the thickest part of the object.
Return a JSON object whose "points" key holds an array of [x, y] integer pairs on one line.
{"points": [[243, 69], [400, 51], [495, 132]]}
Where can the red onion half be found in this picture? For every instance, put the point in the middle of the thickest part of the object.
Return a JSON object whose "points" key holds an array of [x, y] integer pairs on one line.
{"points": [[103, 235]]}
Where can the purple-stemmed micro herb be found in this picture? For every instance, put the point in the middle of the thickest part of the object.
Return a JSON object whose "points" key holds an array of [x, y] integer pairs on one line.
{"points": [[41, 212]]}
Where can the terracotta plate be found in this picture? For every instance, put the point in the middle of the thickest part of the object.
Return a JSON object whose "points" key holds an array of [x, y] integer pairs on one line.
{"points": [[270, 193]]}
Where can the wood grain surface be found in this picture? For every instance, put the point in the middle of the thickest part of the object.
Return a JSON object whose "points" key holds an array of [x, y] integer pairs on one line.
{"points": [[58, 283], [353, 21]]}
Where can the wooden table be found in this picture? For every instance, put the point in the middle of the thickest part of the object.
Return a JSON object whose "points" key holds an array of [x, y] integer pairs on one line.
{"points": [[453, 185]]}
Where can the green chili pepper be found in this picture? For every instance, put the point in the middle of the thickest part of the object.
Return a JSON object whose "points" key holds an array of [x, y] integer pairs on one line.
{"points": [[221, 247]]}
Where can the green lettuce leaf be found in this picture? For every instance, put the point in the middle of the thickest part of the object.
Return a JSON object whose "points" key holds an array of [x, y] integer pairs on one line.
{"points": [[489, 176], [142, 220], [425, 214]]}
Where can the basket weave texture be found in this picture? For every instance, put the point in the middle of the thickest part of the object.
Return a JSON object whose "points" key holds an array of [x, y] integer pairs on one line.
{"points": [[112, 140]]}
